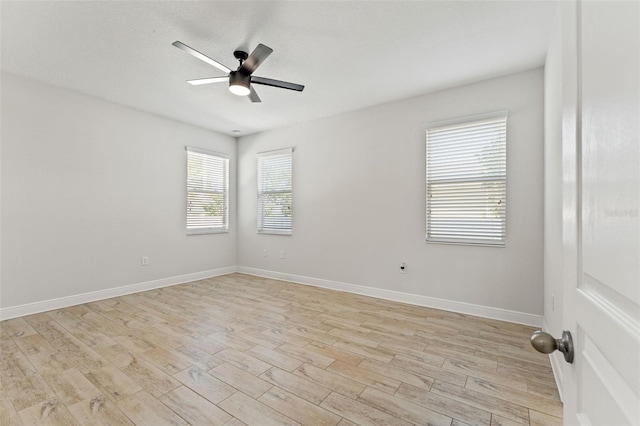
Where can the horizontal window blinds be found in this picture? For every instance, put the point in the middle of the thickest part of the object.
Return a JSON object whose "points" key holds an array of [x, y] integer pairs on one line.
{"points": [[466, 182], [207, 192], [275, 191]]}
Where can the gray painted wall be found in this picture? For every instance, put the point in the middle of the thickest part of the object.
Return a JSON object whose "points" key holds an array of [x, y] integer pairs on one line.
{"points": [[359, 199]]}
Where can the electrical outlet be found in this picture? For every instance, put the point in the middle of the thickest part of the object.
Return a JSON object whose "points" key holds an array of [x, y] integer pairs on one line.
{"points": [[144, 260], [264, 252], [403, 268], [282, 254]]}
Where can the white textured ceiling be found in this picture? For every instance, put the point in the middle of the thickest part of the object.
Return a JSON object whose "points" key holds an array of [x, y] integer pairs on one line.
{"points": [[349, 55]]}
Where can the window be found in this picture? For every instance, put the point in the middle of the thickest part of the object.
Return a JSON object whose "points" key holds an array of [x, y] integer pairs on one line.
{"points": [[466, 181], [207, 192], [274, 192]]}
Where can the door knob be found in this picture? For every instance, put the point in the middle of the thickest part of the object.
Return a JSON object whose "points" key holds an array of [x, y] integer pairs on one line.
{"points": [[546, 343]]}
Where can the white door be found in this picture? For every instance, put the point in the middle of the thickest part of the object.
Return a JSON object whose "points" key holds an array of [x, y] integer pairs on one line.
{"points": [[601, 157]]}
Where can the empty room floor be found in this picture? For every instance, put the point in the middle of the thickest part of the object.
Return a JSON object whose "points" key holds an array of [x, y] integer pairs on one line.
{"points": [[239, 349]]}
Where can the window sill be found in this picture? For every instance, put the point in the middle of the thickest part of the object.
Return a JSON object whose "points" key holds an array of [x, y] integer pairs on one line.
{"points": [[466, 243], [275, 232], [206, 231]]}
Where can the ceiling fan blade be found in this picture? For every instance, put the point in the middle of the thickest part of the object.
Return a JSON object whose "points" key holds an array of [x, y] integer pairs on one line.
{"points": [[254, 60], [201, 56], [253, 95], [277, 83], [209, 80]]}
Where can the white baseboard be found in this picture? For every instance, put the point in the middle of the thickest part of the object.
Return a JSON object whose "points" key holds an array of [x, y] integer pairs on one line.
{"points": [[556, 359], [63, 302], [413, 299]]}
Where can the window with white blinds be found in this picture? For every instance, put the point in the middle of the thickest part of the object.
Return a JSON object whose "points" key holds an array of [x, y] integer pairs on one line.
{"points": [[207, 192], [275, 191], [467, 181]]}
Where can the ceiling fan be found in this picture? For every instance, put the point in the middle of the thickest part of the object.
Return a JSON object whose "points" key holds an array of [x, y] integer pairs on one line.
{"points": [[240, 80]]}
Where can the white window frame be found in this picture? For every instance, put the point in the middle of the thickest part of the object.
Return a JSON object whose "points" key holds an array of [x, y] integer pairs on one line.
{"points": [[195, 188], [262, 193], [466, 196]]}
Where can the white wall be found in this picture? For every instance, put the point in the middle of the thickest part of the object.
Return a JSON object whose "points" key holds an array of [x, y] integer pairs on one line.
{"points": [[88, 187], [359, 202]]}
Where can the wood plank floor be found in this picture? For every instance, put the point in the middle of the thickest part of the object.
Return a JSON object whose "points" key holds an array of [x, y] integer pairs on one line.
{"points": [[238, 349]]}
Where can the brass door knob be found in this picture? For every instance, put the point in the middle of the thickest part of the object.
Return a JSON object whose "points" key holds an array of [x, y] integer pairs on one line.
{"points": [[546, 343]]}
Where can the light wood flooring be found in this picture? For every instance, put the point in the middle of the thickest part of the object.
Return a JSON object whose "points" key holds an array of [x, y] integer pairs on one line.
{"points": [[238, 349]]}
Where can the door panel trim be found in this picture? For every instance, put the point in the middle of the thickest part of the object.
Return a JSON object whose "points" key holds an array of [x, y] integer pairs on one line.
{"points": [[594, 321], [623, 310], [622, 399]]}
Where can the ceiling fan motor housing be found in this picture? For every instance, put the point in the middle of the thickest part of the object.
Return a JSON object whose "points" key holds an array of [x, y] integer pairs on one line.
{"points": [[237, 78]]}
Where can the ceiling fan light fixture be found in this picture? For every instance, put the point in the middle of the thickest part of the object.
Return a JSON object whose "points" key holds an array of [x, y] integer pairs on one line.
{"points": [[239, 84]]}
